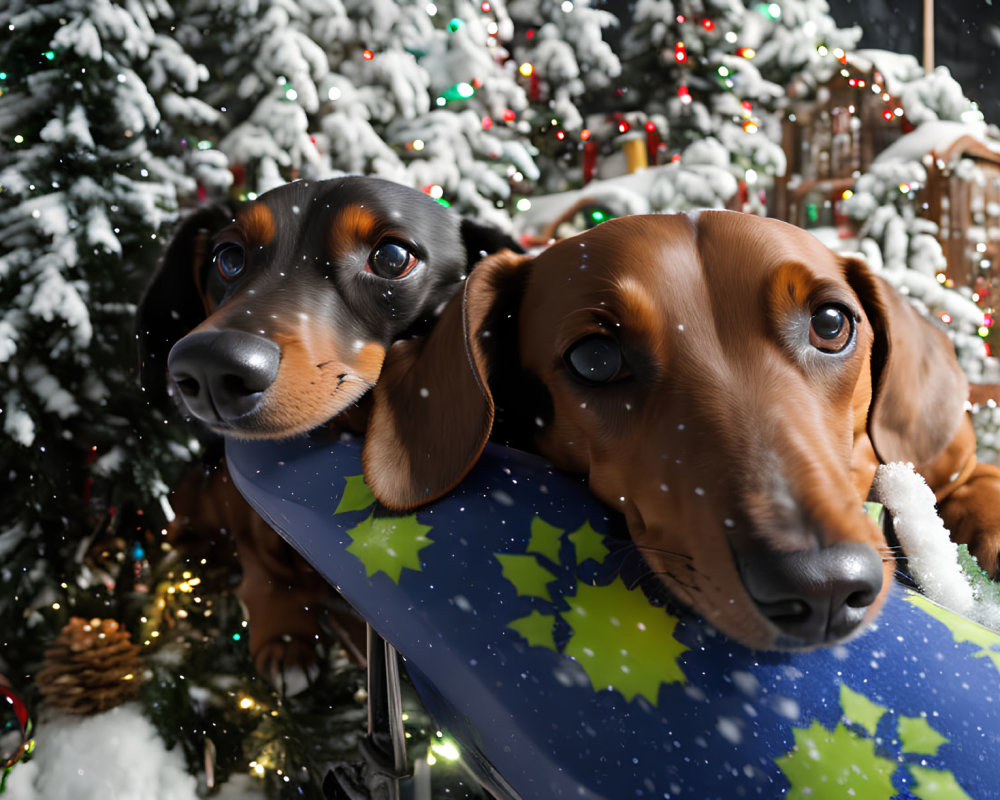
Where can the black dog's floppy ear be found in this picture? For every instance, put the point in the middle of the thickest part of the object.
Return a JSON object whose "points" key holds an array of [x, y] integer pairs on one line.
{"points": [[172, 304], [433, 409], [918, 388], [482, 239]]}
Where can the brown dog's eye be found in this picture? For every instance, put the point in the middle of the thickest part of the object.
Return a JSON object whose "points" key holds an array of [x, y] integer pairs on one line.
{"points": [[229, 260], [831, 329], [391, 260], [595, 358]]}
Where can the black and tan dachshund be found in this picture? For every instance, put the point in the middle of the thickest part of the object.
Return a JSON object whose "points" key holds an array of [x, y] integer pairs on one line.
{"points": [[271, 319]]}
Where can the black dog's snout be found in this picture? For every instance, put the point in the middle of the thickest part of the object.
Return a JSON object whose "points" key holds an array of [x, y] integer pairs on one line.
{"points": [[222, 374], [815, 596]]}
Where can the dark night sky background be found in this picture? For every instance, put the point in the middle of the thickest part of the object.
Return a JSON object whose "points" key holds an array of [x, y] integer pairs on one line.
{"points": [[967, 38]]}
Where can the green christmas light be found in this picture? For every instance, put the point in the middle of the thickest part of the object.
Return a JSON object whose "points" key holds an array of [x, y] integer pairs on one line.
{"points": [[50, 55], [459, 91], [770, 10], [454, 24]]}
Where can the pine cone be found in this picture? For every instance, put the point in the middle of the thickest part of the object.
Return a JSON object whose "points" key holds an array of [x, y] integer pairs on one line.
{"points": [[90, 667]]}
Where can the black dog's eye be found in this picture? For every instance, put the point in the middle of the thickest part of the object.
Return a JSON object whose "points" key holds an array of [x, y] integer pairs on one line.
{"points": [[391, 260], [229, 260], [831, 329], [595, 358]]}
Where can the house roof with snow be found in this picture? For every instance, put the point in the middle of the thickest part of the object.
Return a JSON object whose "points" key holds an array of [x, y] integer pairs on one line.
{"points": [[897, 69], [945, 140]]}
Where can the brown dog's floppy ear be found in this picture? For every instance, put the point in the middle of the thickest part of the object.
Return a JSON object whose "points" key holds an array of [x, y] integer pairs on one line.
{"points": [[918, 387], [172, 304], [433, 409]]}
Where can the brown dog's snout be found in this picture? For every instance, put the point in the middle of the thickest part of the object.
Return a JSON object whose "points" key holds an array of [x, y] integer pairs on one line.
{"points": [[222, 375], [817, 596]]}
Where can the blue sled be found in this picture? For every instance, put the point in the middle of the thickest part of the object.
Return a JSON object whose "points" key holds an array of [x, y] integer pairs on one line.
{"points": [[513, 603]]}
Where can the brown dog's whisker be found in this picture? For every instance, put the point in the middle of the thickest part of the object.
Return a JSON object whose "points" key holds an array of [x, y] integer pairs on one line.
{"points": [[661, 551]]}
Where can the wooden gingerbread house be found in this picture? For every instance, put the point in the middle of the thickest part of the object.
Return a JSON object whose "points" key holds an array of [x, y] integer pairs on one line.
{"points": [[829, 139], [854, 122], [961, 196]]}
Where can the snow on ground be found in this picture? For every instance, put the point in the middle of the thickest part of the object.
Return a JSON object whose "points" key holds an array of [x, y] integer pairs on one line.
{"points": [[117, 755]]}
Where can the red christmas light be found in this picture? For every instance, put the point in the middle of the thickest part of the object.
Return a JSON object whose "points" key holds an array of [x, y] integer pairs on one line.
{"points": [[585, 134], [486, 7], [368, 55], [487, 123], [707, 24], [560, 135], [887, 114], [681, 19], [680, 53], [509, 115], [650, 127]]}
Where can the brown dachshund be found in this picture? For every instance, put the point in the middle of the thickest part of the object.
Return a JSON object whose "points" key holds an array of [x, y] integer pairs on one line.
{"points": [[271, 319], [725, 381]]}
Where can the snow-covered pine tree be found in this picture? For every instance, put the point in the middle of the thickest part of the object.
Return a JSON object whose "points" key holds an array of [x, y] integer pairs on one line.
{"points": [[266, 61], [707, 70], [83, 198], [567, 69], [420, 93]]}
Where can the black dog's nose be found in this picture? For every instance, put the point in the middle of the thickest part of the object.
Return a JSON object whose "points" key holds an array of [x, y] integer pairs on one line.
{"points": [[815, 596], [222, 374]]}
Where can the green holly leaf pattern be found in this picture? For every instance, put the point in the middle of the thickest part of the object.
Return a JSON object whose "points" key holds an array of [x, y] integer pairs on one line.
{"points": [[588, 543], [936, 784], [845, 763], [622, 641], [832, 765], [387, 544], [537, 628], [919, 737], [545, 539], [963, 630], [356, 497], [860, 710], [528, 576]]}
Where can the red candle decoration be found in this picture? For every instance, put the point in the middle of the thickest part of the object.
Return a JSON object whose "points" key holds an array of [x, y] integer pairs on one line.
{"points": [[653, 142], [590, 152]]}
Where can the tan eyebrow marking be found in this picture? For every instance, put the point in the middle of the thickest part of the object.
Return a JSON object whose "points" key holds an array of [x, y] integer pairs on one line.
{"points": [[257, 222]]}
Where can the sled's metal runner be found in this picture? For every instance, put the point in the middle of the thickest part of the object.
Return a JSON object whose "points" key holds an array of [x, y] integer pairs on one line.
{"points": [[384, 772]]}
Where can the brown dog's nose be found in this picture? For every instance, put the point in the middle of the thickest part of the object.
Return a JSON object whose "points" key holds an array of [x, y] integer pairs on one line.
{"points": [[222, 374], [815, 597]]}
